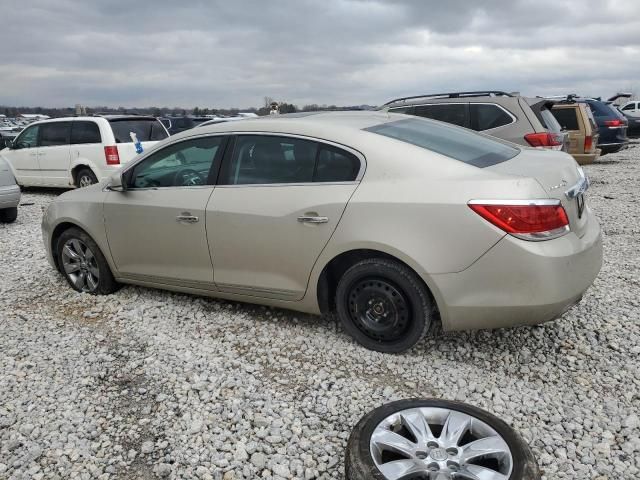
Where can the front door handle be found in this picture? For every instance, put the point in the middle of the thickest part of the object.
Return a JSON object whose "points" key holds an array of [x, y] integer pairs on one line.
{"points": [[310, 219], [186, 217]]}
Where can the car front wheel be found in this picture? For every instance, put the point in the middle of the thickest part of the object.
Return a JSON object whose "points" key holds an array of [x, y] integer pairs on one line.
{"points": [[383, 305], [83, 264]]}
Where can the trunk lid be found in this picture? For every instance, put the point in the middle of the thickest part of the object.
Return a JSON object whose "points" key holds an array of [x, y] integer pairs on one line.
{"points": [[557, 173]]}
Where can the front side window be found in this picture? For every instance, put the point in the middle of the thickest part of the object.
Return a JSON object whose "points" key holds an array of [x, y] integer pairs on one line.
{"points": [[457, 143], [487, 116], [455, 113], [54, 134], [85, 132], [183, 164], [567, 118], [631, 106], [28, 138], [266, 159]]}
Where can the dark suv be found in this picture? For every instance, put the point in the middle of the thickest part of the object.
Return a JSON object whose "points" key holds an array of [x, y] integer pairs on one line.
{"points": [[522, 120]]}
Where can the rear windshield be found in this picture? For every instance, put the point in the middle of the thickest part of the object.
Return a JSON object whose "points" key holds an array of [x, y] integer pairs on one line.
{"points": [[567, 117], [457, 143], [548, 120], [601, 109], [146, 129]]}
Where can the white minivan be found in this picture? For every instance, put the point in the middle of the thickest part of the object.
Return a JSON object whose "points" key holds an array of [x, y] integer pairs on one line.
{"points": [[78, 151]]}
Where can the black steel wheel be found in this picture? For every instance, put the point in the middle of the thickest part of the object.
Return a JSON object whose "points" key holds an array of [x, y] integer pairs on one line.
{"points": [[383, 305]]}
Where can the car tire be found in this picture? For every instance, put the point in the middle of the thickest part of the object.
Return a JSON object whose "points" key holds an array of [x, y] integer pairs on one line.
{"points": [[83, 265], [360, 463], [85, 177], [383, 305], [8, 215]]}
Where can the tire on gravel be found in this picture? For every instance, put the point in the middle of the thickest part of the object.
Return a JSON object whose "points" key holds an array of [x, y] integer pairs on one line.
{"points": [[106, 283], [414, 321], [8, 215], [359, 464]]}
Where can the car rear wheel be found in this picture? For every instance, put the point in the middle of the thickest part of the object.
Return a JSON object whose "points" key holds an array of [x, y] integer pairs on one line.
{"points": [[83, 264], [436, 439], [85, 177], [8, 215], [383, 305]]}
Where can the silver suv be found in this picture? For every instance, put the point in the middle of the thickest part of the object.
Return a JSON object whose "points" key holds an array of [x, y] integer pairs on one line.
{"points": [[521, 120]]}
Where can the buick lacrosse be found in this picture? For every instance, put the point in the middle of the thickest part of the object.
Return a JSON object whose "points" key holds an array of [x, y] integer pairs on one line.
{"points": [[389, 220]]}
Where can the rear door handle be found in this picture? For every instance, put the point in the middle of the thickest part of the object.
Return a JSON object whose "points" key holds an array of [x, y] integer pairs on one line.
{"points": [[309, 219], [187, 218]]}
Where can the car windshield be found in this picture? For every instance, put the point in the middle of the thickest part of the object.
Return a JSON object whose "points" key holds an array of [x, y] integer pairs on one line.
{"points": [[146, 129], [457, 143]]}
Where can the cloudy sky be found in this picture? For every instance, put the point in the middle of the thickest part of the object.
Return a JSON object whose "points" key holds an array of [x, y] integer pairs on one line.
{"points": [[233, 53]]}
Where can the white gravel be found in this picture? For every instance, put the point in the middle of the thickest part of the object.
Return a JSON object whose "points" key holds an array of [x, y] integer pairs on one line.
{"points": [[146, 384]]}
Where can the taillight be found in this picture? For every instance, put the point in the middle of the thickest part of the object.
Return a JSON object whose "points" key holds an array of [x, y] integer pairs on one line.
{"points": [[111, 154], [588, 143], [545, 140], [615, 123], [525, 219]]}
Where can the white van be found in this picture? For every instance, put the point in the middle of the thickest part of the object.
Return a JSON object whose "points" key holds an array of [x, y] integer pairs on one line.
{"points": [[78, 151]]}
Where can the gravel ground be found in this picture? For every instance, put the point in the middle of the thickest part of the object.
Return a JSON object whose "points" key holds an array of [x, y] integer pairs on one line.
{"points": [[147, 384]]}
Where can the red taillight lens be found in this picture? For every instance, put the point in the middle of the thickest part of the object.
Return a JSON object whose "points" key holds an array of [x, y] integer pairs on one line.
{"points": [[545, 140], [614, 123], [528, 221], [111, 154], [588, 143]]}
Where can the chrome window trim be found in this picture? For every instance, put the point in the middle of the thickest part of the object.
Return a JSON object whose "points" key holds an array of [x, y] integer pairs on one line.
{"points": [[508, 201]]}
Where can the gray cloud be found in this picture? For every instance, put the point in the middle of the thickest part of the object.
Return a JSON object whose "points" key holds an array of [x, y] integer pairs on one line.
{"points": [[225, 53]]}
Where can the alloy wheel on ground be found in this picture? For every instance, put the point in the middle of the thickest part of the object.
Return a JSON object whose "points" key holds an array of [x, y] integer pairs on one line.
{"points": [[80, 265]]}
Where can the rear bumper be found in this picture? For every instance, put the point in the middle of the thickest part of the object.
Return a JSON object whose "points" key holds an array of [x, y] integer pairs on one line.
{"points": [[521, 283], [586, 158], [9, 196]]}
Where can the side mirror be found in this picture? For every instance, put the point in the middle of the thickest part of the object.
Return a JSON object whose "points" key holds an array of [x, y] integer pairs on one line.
{"points": [[8, 143], [116, 183]]}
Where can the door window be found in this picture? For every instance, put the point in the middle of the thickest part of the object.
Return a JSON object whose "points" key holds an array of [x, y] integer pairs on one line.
{"points": [[28, 138], [266, 159], [567, 118], [487, 116], [85, 132], [183, 164], [54, 134], [455, 113]]}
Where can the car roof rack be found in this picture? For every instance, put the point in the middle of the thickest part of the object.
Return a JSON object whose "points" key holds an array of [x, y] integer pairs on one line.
{"points": [[479, 93]]}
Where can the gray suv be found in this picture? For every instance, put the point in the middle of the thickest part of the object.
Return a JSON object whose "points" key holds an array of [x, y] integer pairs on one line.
{"points": [[521, 120]]}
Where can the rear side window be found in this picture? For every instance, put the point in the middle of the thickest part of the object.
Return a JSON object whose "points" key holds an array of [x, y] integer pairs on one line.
{"points": [[54, 133], [85, 132], [567, 118], [455, 113], [335, 165], [146, 129], [407, 110], [486, 117], [266, 159], [463, 145]]}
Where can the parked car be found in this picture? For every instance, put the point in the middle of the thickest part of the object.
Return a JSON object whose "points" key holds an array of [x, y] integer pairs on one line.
{"points": [[78, 151], [521, 120], [631, 110], [577, 120], [384, 218], [612, 126], [9, 194]]}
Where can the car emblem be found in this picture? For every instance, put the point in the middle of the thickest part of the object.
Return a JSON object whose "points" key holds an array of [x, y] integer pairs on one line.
{"points": [[563, 183]]}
